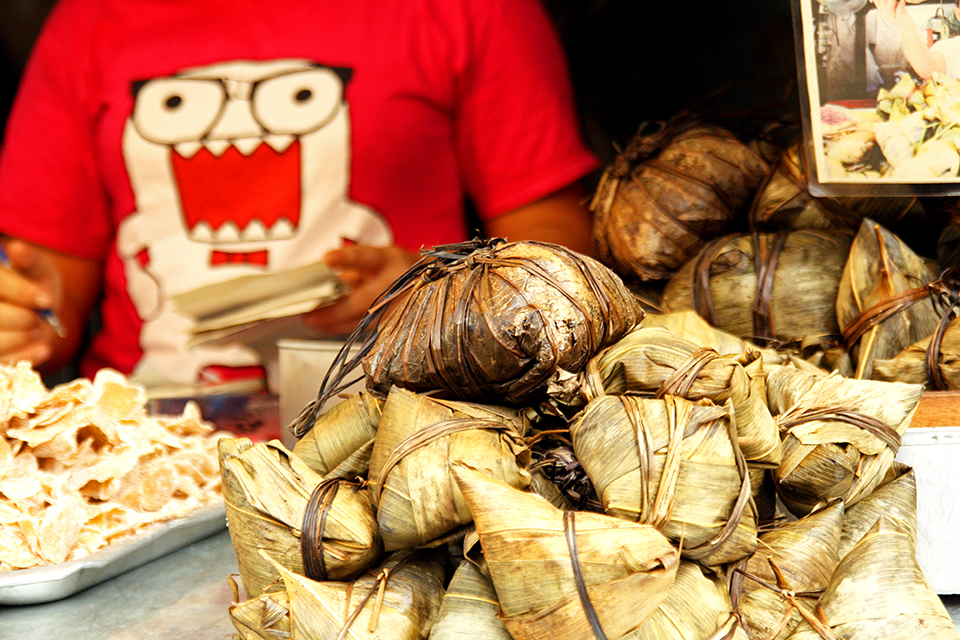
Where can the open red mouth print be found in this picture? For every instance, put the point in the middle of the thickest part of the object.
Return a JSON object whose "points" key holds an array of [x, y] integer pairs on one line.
{"points": [[240, 198]]}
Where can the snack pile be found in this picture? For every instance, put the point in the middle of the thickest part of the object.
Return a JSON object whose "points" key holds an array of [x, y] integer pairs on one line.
{"points": [[83, 465]]}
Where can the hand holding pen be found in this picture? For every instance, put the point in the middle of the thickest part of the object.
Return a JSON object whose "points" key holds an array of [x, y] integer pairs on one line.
{"points": [[27, 292]]}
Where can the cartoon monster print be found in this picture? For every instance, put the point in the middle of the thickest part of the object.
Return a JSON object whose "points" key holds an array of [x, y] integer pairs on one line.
{"points": [[236, 168]]}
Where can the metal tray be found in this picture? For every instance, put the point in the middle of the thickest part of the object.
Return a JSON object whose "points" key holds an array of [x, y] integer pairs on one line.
{"points": [[54, 582]]}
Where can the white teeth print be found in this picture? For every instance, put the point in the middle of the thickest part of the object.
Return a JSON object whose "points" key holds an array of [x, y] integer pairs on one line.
{"points": [[228, 233], [282, 230], [217, 147], [246, 145], [279, 143], [188, 149], [255, 232], [202, 232]]}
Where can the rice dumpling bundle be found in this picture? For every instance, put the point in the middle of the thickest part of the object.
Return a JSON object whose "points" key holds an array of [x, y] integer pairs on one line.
{"points": [[495, 321], [337, 434], [469, 608], [784, 201], [939, 370], [879, 591], [690, 325], [765, 286], [416, 498], [399, 600], [883, 303], [669, 192], [274, 502], [565, 575], [697, 607], [655, 362], [796, 556], [840, 435], [895, 499], [266, 617], [674, 465]]}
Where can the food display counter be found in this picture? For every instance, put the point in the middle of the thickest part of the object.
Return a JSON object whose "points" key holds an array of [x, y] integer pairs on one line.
{"points": [[183, 595]]}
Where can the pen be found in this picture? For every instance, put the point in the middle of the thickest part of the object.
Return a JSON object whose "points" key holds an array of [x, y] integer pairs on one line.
{"points": [[47, 314]]}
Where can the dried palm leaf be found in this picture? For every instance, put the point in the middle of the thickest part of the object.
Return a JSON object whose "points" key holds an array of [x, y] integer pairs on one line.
{"points": [[765, 286], [266, 617], [934, 360], [399, 600], [338, 433], [669, 192], [488, 321], [565, 575], [895, 499], [674, 465], [654, 361], [883, 302], [840, 435], [784, 201], [691, 326], [469, 608], [797, 556], [697, 607], [879, 591], [418, 438], [274, 502]]}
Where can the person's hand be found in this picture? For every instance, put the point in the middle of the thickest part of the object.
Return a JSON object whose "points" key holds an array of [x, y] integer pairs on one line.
{"points": [[368, 271], [31, 282]]}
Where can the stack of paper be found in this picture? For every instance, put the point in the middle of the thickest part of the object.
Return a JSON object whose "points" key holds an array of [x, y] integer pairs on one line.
{"points": [[246, 304]]}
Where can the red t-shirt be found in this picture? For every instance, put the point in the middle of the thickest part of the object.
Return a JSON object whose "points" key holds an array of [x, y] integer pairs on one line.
{"points": [[183, 142]]}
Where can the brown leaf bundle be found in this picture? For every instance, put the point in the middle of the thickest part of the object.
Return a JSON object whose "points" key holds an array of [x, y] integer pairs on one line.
{"points": [[670, 192]]}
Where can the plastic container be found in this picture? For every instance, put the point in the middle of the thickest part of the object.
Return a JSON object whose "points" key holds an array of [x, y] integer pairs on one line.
{"points": [[302, 366]]}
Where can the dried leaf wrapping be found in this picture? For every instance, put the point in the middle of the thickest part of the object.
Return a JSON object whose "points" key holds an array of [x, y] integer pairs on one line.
{"points": [[399, 600], [912, 365], [674, 465], [882, 304], [879, 591], [765, 286], [696, 606], [785, 202], [668, 193], [501, 323], [653, 361], [337, 434], [416, 498], [469, 608], [537, 555], [267, 492], [840, 435], [895, 499], [805, 553]]}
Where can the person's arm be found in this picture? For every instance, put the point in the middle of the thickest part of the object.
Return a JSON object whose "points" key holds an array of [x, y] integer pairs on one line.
{"points": [[42, 278], [925, 61], [561, 218]]}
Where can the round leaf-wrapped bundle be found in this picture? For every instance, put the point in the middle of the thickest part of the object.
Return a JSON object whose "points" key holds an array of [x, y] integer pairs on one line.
{"points": [[323, 528], [501, 322], [840, 435], [765, 286], [801, 555], [668, 193], [565, 575], [673, 464]]}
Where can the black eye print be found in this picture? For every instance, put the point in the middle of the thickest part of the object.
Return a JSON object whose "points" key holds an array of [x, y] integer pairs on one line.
{"points": [[303, 95], [173, 102]]}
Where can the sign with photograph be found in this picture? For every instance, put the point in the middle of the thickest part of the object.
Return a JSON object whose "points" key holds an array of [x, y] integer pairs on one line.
{"points": [[880, 84]]}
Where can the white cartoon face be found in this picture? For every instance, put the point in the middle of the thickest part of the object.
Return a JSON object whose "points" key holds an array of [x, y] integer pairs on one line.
{"points": [[236, 168], [234, 132]]}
